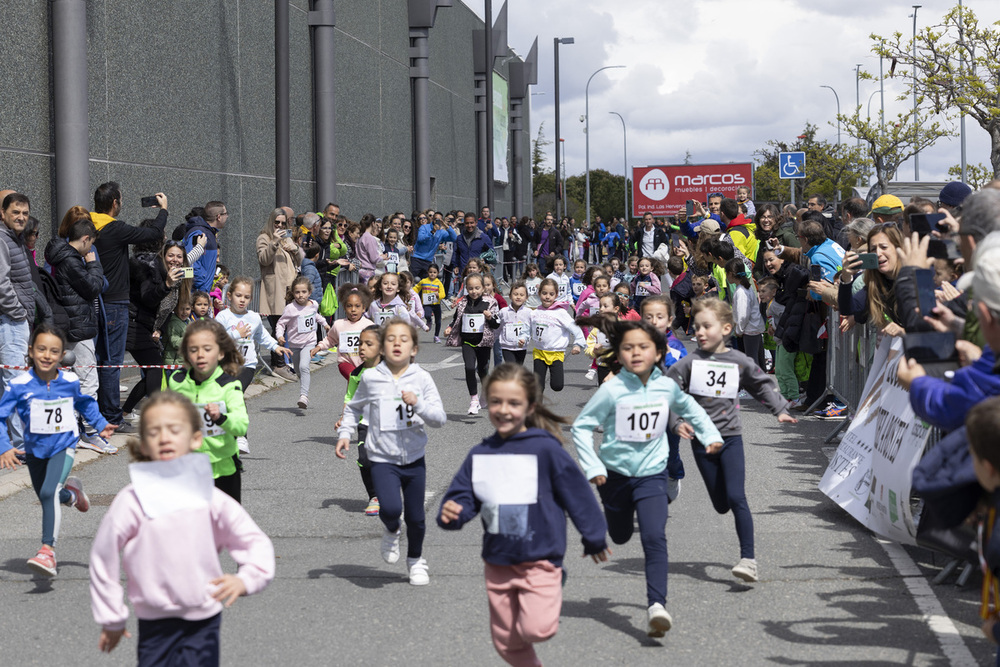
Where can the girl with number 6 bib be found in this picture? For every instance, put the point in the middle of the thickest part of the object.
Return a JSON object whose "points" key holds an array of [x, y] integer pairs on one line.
{"points": [[629, 468], [714, 374], [397, 398], [209, 381], [474, 328]]}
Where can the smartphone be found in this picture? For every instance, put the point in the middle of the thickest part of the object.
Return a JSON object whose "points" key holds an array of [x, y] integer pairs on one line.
{"points": [[689, 207], [149, 202], [869, 260], [816, 272], [943, 249], [922, 223], [187, 272], [925, 292], [930, 346]]}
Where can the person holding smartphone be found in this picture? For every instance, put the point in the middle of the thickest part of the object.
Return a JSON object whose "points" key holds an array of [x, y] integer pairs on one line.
{"points": [[279, 259], [876, 301]]}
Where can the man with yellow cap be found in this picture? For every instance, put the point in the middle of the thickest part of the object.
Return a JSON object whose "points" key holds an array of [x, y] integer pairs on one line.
{"points": [[887, 208]]}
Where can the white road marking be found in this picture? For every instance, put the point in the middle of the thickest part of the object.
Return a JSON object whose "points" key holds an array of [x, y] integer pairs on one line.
{"points": [[451, 361], [937, 620]]}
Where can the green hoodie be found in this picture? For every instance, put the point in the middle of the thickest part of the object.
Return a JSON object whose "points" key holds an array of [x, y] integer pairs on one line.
{"points": [[220, 435]]}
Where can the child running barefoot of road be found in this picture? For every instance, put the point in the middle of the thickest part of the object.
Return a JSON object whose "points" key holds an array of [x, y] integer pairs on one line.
{"points": [[45, 399], [369, 350], [209, 381], [630, 467], [713, 374], [551, 329], [523, 483], [298, 323], [398, 398], [343, 335], [166, 529]]}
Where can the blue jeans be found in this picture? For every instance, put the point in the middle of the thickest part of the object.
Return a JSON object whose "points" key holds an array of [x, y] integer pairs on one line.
{"points": [[13, 352], [725, 477], [108, 393], [389, 479], [623, 498]]}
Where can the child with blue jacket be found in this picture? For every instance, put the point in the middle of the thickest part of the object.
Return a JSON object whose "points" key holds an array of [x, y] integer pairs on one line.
{"points": [[943, 403], [45, 399], [629, 468], [523, 483]]}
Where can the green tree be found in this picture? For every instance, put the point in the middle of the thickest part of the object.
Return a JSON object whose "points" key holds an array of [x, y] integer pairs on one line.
{"points": [[607, 194], [977, 175], [892, 145], [957, 67], [831, 169], [538, 152]]}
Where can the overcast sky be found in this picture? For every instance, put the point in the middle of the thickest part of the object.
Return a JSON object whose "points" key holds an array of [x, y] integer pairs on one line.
{"points": [[717, 78]]}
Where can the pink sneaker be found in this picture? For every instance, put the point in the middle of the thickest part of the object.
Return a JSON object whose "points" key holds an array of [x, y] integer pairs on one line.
{"points": [[80, 499], [44, 562]]}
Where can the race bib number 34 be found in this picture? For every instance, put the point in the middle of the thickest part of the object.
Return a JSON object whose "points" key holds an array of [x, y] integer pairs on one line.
{"points": [[55, 416], [714, 379], [641, 422]]}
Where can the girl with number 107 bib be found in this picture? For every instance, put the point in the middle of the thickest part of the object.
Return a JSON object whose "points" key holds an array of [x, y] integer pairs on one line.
{"points": [[713, 374], [630, 467]]}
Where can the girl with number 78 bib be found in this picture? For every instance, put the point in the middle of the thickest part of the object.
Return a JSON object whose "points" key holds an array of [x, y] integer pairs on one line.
{"points": [[629, 468], [713, 374]]}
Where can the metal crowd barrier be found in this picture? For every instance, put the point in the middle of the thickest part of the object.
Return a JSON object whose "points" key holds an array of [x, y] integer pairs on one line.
{"points": [[848, 361]]}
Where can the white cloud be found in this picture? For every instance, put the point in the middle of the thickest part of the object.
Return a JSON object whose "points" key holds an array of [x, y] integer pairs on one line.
{"points": [[716, 77]]}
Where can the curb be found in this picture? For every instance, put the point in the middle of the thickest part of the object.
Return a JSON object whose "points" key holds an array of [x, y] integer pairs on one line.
{"points": [[19, 480]]}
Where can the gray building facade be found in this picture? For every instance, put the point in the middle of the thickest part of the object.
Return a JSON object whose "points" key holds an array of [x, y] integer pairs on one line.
{"points": [[181, 99]]}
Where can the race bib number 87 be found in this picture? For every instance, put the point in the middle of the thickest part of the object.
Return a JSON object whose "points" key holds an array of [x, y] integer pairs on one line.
{"points": [[714, 379]]}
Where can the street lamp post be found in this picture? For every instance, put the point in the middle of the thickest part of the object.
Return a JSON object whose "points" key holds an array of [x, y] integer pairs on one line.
{"points": [[838, 111], [916, 154], [556, 41], [625, 152], [587, 131], [857, 92]]}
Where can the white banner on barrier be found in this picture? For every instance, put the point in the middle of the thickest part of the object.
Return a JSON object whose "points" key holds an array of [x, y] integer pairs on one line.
{"points": [[870, 474]]}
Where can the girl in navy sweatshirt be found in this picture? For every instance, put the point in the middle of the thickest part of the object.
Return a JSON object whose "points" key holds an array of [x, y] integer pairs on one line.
{"points": [[523, 483]]}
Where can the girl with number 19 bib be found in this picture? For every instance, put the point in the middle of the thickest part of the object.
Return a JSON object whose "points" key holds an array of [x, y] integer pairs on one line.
{"points": [[630, 467], [713, 374]]}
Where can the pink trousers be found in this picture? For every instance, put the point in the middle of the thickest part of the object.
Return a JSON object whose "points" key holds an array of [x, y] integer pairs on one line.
{"points": [[525, 601]]}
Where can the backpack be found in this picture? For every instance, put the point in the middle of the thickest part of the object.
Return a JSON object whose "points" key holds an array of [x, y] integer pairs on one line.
{"points": [[46, 284]]}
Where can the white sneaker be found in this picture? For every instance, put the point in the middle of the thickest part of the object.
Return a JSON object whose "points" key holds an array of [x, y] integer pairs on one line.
{"points": [[242, 444], [658, 619], [95, 442], [591, 374], [390, 546], [474, 405], [418, 571], [303, 402], [323, 353], [746, 570], [673, 489]]}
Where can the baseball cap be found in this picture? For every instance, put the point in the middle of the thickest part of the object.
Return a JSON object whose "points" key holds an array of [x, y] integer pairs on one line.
{"points": [[709, 226], [887, 205], [954, 193], [986, 279]]}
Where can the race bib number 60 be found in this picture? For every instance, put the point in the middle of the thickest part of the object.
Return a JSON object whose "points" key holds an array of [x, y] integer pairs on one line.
{"points": [[714, 379]]}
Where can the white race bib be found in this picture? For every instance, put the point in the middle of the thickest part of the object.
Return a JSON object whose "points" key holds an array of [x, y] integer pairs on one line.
{"points": [[532, 289], [307, 323], [208, 427], [384, 316], [473, 323], [538, 330], [562, 289], [395, 415], [244, 345], [515, 330], [714, 379], [431, 298], [642, 289], [54, 416], [392, 258], [641, 422], [577, 289], [349, 342]]}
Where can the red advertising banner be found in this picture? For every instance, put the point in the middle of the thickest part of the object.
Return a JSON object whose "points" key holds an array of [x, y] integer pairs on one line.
{"points": [[663, 190]]}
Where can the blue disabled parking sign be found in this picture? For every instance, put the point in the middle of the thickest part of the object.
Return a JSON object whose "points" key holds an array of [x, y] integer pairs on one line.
{"points": [[792, 165]]}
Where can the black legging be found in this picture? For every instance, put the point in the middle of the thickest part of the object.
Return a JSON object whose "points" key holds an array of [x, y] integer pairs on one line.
{"points": [[514, 356], [557, 374], [277, 360], [477, 361], [150, 384]]}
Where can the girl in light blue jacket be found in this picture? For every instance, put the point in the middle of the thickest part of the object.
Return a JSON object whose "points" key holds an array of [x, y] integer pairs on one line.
{"points": [[629, 468]]}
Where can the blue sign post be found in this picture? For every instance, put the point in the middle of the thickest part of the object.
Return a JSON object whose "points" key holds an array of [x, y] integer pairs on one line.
{"points": [[791, 166]]}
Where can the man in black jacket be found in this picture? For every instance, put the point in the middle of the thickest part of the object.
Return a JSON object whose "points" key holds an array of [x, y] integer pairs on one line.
{"points": [[113, 240], [548, 245], [648, 237]]}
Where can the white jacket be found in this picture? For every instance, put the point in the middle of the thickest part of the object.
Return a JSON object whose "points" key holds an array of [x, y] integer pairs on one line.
{"points": [[551, 329], [519, 319], [562, 293], [395, 434], [747, 320], [258, 335]]}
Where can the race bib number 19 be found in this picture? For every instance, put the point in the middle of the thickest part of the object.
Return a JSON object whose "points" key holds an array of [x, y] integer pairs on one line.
{"points": [[395, 415], [55, 416], [714, 379], [641, 422]]}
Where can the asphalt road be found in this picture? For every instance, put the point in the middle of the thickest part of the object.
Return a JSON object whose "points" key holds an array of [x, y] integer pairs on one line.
{"points": [[828, 592]]}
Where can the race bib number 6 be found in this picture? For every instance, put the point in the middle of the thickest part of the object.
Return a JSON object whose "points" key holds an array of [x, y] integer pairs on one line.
{"points": [[55, 416], [714, 379], [641, 422], [473, 323]]}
